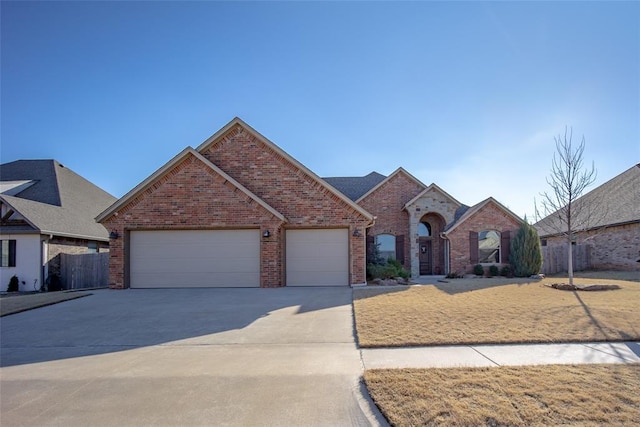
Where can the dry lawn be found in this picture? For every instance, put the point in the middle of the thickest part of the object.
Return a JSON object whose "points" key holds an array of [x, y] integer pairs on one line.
{"points": [[514, 396], [472, 311]]}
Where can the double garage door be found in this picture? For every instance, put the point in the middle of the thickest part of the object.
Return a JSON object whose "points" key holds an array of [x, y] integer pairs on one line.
{"points": [[231, 258]]}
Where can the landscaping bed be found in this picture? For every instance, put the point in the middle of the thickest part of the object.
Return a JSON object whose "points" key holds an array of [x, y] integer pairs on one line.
{"points": [[15, 303]]}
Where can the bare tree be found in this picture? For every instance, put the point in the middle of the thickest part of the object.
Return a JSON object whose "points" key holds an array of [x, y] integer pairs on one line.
{"points": [[563, 213]]}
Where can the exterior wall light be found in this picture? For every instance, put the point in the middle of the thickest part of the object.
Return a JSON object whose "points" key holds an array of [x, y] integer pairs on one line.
{"points": [[266, 234], [113, 234], [356, 233]]}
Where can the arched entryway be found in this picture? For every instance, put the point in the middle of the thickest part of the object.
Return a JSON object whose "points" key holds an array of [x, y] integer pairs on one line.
{"points": [[430, 244]]}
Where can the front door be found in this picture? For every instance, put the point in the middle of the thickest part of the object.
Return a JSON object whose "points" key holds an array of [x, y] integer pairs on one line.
{"points": [[426, 263]]}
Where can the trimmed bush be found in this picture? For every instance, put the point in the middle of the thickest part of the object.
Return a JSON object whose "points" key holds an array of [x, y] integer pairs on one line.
{"points": [[14, 284], [526, 256], [506, 271], [478, 270], [493, 270]]}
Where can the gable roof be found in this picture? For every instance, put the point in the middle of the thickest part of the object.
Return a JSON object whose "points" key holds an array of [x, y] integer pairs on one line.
{"points": [[124, 200], [398, 171], [618, 200], [53, 199], [239, 122], [355, 186], [432, 187], [467, 213]]}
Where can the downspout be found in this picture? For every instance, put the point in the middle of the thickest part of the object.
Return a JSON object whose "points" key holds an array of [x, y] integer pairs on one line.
{"points": [[446, 252]]}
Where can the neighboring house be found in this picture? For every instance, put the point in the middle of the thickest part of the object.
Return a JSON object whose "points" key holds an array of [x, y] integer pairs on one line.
{"points": [[239, 211], [608, 221], [426, 229], [47, 210]]}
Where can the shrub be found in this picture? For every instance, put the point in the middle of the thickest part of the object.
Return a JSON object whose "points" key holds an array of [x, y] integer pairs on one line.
{"points": [[493, 270], [478, 270], [454, 275], [389, 270], [526, 256], [14, 284], [506, 271]]}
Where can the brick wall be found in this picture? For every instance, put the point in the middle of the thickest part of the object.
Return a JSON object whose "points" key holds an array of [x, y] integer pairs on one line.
{"points": [[615, 248], [386, 203], [193, 196], [301, 199], [489, 217]]}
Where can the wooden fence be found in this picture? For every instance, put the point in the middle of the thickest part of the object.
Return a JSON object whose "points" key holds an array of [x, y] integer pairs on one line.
{"points": [[555, 259], [84, 270]]}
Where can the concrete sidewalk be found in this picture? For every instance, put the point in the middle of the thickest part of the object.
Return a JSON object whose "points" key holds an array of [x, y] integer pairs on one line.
{"points": [[500, 355]]}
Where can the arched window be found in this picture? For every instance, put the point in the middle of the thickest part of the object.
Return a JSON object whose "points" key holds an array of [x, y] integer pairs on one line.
{"points": [[387, 245], [424, 229], [489, 247]]}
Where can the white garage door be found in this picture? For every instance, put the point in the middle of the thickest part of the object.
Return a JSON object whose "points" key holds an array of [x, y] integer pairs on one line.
{"points": [[317, 257], [194, 258]]}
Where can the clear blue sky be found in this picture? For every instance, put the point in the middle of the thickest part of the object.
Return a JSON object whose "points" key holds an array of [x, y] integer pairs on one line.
{"points": [[466, 95]]}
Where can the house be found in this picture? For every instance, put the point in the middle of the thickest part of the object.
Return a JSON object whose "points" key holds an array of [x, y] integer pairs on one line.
{"points": [[426, 229], [607, 220], [46, 209], [239, 211]]}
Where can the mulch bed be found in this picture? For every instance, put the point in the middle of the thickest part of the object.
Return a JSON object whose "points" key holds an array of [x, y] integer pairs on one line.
{"points": [[568, 287]]}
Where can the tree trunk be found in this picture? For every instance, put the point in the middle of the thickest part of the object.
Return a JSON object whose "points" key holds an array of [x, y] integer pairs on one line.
{"points": [[570, 260]]}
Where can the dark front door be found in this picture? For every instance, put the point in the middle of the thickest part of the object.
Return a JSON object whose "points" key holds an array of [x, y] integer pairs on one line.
{"points": [[426, 262]]}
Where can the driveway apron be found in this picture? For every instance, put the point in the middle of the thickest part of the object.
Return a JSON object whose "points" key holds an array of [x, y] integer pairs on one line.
{"points": [[189, 357]]}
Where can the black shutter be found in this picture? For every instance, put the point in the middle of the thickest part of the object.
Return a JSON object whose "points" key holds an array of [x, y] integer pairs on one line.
{"points": [[473, 247], [505, 246], [400, 249], [12, 253]]}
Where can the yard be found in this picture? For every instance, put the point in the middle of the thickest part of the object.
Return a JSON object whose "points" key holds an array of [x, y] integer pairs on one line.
{"points": [[514, 396], [472, 311], [499, 310]]}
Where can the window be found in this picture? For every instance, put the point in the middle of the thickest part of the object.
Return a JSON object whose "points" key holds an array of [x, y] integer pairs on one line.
{"points": [[8, 253], [424, 229], [489, 247], [387, 245], [92, 248]]}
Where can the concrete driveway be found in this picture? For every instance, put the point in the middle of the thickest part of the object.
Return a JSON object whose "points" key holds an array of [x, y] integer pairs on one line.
{"points": [[249, 357]]}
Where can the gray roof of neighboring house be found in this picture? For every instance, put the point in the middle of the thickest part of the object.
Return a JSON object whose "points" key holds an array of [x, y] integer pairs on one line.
{"points": [[355, 187], [617, 201], [58, 201]]}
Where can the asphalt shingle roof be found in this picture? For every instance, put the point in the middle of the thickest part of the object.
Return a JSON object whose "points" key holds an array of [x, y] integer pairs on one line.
{"points": [[59, 201], [617, 201], [355, 187]]}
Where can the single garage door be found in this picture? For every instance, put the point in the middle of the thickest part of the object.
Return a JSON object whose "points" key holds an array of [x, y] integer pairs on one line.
{"points": [[317, 257], [194, 258]]}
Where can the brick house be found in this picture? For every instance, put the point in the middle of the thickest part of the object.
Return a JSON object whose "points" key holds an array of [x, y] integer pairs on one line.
{"points": [[607, 221], [46, 210], [426, 229], [239, 211]]}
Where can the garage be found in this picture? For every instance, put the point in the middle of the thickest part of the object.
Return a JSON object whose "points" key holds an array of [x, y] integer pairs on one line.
{"points": [[194, 258], [316, 257]]}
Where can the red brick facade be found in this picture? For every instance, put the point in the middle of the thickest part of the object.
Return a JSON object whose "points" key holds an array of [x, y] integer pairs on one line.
{"points": [[386, 203], [489, 216], [191, 195]]}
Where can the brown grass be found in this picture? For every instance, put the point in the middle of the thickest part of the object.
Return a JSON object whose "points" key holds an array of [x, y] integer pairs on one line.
{"points": [[514, 396], [471, 311]]}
